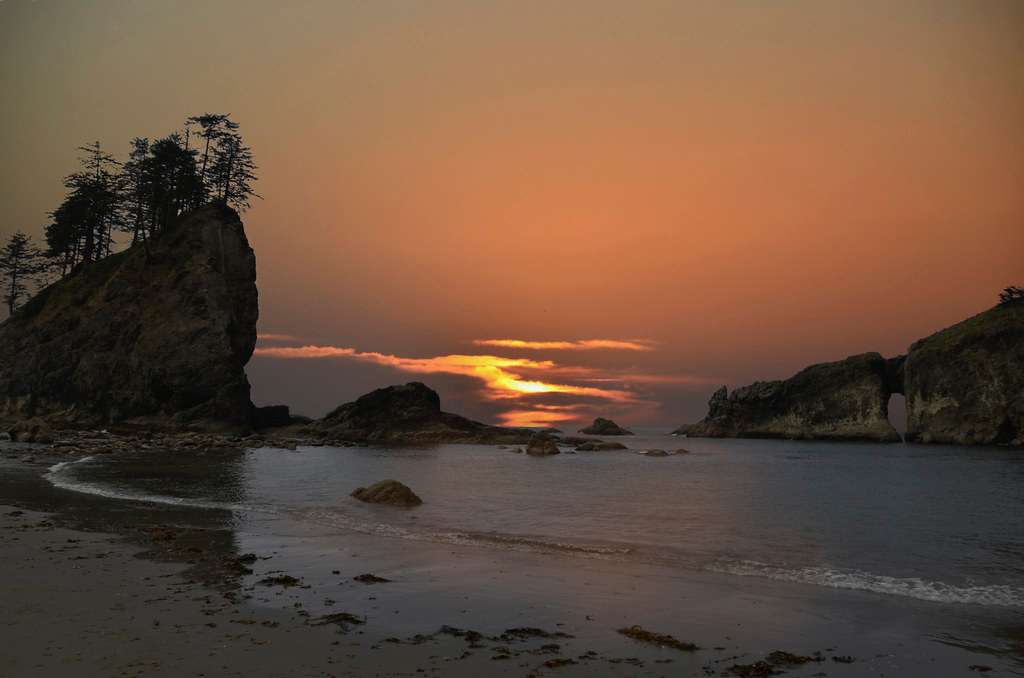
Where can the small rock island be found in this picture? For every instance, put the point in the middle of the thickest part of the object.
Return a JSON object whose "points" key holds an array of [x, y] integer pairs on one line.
{"points": [[605, 427]]}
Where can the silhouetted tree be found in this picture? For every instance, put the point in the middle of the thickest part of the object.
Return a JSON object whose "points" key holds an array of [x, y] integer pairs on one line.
{"points": [[1011, 295], [213, 127], [137, 213], [95, 193], [160, 180], [64, 235], [233, 172], [171, 180], [20, 263]]}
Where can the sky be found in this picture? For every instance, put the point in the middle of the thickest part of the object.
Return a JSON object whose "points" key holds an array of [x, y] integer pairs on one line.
{"points": [[554, 211]]}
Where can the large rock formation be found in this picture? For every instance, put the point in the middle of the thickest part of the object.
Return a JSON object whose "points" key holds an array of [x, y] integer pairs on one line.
{"points": [[844, 400], [158, 334], [965, 384], [409, 413]]}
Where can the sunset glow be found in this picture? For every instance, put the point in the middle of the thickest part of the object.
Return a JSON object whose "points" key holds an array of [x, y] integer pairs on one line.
{"points": [[516, 381], [584, 345], [661, 198]]}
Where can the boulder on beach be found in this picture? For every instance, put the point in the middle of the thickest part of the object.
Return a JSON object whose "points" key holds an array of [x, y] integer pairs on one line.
{"points": [[599, 446], [605, 427], [390, 492], [542, 445], [31, 431]]}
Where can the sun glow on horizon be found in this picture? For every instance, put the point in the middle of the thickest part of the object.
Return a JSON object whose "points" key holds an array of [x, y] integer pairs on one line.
{"points": [[578, 345], [518, 381]]}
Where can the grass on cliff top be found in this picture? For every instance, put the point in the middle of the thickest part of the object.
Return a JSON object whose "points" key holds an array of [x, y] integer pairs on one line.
{"points": [[1004, 318]]}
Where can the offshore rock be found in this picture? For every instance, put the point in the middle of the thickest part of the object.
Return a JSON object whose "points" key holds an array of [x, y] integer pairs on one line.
{"points": [[156, 335], [605, 427], [844, 400], [409, 413], [599, 446]]}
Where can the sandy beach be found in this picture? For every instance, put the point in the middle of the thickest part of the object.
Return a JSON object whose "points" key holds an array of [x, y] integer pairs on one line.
{"points": [[129, 588]]}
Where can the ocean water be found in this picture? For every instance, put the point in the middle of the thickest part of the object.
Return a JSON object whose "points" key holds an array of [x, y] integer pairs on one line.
{"points": [[939, 524]]}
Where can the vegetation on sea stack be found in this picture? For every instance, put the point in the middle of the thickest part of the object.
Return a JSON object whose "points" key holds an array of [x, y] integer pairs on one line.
{"points": [[1011, 295], [161, 179]]}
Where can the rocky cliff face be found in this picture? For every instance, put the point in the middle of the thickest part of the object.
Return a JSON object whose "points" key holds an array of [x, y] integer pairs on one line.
{"points": [[844, 400], [410, 413], [155, 335], [965, 384]]}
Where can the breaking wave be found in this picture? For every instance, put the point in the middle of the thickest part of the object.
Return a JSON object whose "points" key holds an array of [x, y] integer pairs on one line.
{"points": [[1003, 595]]}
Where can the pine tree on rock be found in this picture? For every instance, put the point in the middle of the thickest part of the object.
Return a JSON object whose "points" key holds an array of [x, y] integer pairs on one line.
{"points": [[20, 263]]}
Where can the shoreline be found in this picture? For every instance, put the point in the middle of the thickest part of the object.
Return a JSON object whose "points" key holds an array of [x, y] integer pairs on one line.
{"points": [[191, 557]]}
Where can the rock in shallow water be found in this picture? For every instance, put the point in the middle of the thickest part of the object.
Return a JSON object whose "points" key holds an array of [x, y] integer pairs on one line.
{"points": [[542, 445], [390, 492], [599, 446]]}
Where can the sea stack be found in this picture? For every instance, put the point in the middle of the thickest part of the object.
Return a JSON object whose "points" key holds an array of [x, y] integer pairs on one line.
{"points": [[157, 335]]}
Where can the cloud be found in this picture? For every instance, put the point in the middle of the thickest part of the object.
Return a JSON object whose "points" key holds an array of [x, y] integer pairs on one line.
{"points": [[502, 377], [578, 345], [535, 417], [270, 336], [523, 391]]}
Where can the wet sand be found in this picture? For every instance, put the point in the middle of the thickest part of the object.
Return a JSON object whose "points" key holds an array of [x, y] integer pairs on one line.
{"points": [[103, 587]]}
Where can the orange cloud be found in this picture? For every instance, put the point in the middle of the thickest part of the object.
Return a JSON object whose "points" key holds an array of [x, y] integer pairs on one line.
{"points": [[502, 377], [579, 345], [270, 336], [534, 418]]}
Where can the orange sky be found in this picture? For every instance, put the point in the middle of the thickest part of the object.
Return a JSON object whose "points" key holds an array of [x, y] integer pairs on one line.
{"points": [[750, 187]]}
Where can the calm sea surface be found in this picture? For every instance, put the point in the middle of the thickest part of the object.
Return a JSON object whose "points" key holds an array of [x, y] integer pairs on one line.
{"points": [[944, 524]]}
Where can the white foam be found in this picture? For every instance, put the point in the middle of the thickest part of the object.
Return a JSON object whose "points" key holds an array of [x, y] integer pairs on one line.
{"points": [[1003, 595], [59, 477]]}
